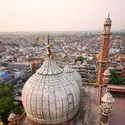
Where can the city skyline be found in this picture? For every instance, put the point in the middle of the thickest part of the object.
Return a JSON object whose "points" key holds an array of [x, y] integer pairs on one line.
{"points": [[71, 15]]}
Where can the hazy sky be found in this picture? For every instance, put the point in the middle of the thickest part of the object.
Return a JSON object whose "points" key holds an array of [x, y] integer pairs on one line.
{"points": [[60, 15]]}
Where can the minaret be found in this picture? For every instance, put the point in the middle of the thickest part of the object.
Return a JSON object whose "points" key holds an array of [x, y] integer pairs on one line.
{"points": [[103, 59]]}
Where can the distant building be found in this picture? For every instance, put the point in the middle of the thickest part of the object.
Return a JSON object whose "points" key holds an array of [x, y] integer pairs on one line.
{"points": [[21, 66]]}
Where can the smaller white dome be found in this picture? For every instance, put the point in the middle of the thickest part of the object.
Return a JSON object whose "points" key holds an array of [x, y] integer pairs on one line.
{"points": [[12, 116], [70, 71], [108, 98], [107, 72]]}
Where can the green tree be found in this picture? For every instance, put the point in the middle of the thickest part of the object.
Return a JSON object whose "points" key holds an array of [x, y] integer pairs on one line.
{"points": [[6, 102], [116, 79], [80, 58]]}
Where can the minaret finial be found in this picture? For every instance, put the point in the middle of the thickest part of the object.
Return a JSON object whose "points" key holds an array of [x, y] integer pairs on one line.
{"points": [[48, 48], [108, 14]]}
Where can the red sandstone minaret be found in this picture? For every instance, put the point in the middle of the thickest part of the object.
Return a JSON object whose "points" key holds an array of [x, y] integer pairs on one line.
{"points": [[103, 59]]}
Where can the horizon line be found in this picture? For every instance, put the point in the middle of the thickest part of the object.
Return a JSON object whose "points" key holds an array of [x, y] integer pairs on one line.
{"points": [[60, 31]]}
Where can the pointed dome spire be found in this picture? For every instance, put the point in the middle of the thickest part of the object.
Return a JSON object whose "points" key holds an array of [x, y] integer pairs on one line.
{"points": [[48, 47], [108, 14], [108, 21], [49, 66]]}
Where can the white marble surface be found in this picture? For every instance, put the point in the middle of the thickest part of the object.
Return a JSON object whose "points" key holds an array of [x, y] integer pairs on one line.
{"points": [[50, 96], [72, 73]]}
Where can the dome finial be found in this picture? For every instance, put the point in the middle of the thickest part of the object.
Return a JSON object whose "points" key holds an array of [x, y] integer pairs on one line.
{"points": [[48, 48], [108, 21], [108, 14]]}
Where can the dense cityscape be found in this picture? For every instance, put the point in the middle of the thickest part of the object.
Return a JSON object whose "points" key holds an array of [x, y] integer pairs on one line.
{"points": [[80, 49], [22, 53]]}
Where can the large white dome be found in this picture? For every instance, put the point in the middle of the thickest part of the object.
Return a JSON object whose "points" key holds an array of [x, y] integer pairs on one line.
{"points": [[50, 96]]}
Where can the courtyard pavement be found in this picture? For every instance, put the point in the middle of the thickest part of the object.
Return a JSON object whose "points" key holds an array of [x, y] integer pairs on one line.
{"points": [[117, 117]]}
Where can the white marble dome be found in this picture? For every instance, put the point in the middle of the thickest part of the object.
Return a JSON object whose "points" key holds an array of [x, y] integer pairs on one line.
{"points": [[72, 73], [12, 116], [50, 96]]}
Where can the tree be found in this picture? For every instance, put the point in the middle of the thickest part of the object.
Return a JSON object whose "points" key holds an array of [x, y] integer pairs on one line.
{"points": [[6, 102], [79, 58], [116, 79]]}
